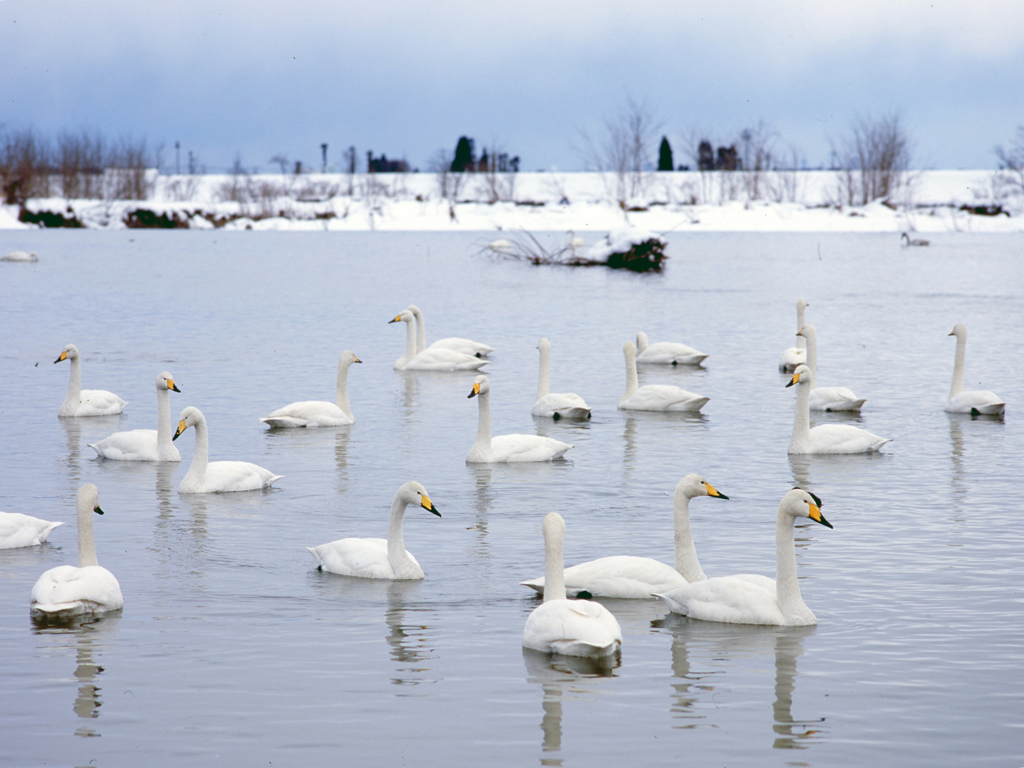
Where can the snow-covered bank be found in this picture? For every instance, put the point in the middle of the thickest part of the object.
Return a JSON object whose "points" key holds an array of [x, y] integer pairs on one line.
{"points": [[804, 201]]}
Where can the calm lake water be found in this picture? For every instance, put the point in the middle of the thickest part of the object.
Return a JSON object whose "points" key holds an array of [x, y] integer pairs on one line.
{"points": [[233, 650]]}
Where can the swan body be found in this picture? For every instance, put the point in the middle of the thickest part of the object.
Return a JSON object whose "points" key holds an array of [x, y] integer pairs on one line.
{"points": [[826, 398], [796, 355], [627, 576], [906, 241], [20, 256], [555, 405], [145, 444], [654, 397], [85, 402], [466, 346], [506, 448], [666, 352], [431, 359], [752, 598], [978, 402], [319, 413], [378, 558], [89, 588], [18, 530], [825, 438], [205, 476], [568, 627]]}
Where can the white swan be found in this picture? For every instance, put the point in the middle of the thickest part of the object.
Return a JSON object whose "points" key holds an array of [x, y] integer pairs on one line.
{"points": [[906, 240], [752, 598], [978, 401], [654, 397], [20, 256], [319, 413], [85, 402], [378, 558], [794, 356], [826, 398], [553, 404], [627, 576], [145, 444], [506, 448], [466, 346], [18, 530], [204, 476], [568, 627], [825, 438], [89, 588], [666, 352], [431, 359]]}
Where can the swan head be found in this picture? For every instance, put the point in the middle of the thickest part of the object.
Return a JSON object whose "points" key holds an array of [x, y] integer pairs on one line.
{"points": [[416, 311], [70, 352], [802, 304], [629, 349], [405, 316], [694, 485], [89, 498], [553, 526], [166, 381], [481, 386], [959, 330], [807, 330], [641, 340], [348, 357], [544, 345], [801, 503], [189, 418], [414, 493], [802, 375]]}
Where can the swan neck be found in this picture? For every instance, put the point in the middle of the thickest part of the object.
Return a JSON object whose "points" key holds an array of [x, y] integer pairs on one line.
{"points": [[397, 555], [86, 541], [554, 574], [74, 393], [801, 416], [410, 345], [197, 469], [164, 435], [341, 390], [543, 377], [686, 552], [787, 588], [632, 383], [483, 428], [812, 353], [421, 332], [958, 367]]}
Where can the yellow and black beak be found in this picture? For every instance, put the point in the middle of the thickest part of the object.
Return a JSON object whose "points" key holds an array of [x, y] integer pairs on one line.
{"points": [[476, 390], [172, 386], [712, 491], [816, 516], [182, 426], [97, 510], [356, 360], [397, 319], [428, 505], [64, 356], [794, 380]]}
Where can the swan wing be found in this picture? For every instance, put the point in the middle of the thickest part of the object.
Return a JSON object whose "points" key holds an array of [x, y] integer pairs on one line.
{"points": [[663, 397], [737, 599], [99, 402], [308, 413], [516, 448], [567, 405], [465, 346], [835, 399], [670, 353], [70, 590], [791, 358], [18, 530], [621, 576], [977, 401], [844, 438], [231, 476], [133, 445], [361, 558], [441, 359], [572, 628]]}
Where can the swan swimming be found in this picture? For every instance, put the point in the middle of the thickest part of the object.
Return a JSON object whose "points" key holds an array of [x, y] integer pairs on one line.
{"points": [[319, 413], [18, 530], [23, 256], [378, 558], [89, 588], [977, 402], [752, 598], [431, 359], [555, 405], [627, 576], [654, 397], [824, 438], [568, 627], [506, 448], [826, 398], [145, 444], [466, 346], [206, 476], [85, 402], [797, 355], [666, 352]]}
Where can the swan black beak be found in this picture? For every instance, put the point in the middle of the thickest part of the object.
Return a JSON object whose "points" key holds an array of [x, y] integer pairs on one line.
{"points": [[97, 510], [64, 356], [428, 505], [173, 387], [714, 492]]}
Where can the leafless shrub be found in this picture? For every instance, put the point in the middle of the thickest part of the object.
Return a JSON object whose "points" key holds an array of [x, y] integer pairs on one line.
{"points": [[449, 182], [1010, 176], [182, 188], [237, 188], [25, 165], [756, 153], [125, 176], [625, 150], [873, 159], [79, 160], [497, 181], [784, 182], [643, 254]]}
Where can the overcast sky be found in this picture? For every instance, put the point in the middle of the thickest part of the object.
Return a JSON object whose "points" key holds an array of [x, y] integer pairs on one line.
{"points": [[255, 79]]}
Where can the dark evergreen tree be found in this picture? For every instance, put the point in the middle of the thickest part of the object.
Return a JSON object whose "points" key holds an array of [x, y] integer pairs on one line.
{"points": [[665, 155], [463, 155]]}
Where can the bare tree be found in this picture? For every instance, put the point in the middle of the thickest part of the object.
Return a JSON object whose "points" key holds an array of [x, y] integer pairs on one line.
{"points": [[756, 152], [25, 160], [1011, 164], [281, 161], [449, 182], [625, 149], [497, 178], [873, 159]]}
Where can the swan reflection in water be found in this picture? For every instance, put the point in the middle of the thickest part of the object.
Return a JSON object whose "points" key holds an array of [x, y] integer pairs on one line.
{"points": [[90, 635], [563, 678], [703, 653]]}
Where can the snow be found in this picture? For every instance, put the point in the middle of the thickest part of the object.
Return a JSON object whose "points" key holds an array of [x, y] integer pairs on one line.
{"points": [[804, 201]]}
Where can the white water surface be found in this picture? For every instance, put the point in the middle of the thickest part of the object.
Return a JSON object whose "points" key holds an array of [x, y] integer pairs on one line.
{"points": [[232, 649]]}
